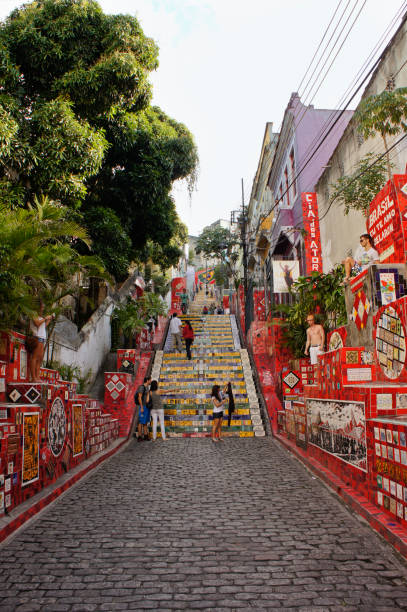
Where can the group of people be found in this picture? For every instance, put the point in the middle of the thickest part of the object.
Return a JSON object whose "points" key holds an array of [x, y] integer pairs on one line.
{"points": [[150, 405], [150, 408], [212, 309], [187, 332]]}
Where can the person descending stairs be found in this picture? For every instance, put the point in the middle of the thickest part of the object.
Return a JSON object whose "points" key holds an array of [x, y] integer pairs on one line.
{"points": [[217, 358]]}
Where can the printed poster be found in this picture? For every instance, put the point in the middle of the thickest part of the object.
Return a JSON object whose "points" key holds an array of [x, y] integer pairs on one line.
{"points": [[285, 273], [338, 427], [387, 287], [77, 421], [31, 448]]}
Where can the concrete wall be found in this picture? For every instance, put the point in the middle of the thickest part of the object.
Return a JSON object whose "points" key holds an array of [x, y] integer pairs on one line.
{"points": [[88, 348], [339, 232]]}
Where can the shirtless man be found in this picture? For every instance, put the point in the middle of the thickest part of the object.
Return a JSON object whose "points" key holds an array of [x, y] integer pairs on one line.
{"points": [[315, 339]]}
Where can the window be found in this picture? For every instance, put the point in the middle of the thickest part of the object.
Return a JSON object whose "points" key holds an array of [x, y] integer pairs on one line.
{"points": [[292, 163], [286, 186]]}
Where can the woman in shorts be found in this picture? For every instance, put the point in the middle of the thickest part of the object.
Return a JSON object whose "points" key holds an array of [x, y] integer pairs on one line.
{"points": [[217, 417]]}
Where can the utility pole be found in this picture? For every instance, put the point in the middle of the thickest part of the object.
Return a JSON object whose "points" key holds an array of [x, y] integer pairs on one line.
{"points": [[243, 226]]}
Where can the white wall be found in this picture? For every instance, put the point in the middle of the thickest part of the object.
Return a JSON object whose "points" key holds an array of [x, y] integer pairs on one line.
{"points": [[88, 348]]}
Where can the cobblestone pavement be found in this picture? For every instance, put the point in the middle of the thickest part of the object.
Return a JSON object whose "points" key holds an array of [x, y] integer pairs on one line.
{"points": [[189, 524]]}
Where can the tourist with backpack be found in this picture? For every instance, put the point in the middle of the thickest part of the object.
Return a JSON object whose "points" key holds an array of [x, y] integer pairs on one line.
{"points": [[143, 402]]}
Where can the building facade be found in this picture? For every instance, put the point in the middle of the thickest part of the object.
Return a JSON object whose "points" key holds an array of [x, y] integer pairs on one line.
{"points": [[339, 232], [296, 165]]}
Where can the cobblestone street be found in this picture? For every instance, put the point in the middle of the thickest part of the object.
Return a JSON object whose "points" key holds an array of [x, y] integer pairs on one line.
{"points": [[188, 524]]}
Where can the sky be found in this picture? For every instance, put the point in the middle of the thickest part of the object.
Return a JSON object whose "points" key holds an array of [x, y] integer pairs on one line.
{"points": [[227, 67]]}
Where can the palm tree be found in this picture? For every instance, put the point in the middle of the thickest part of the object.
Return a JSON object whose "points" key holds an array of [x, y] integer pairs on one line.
{"points": [[37, 259]]}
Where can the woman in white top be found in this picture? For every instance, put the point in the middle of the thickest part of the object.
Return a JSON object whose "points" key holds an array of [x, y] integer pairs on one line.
{"points": [[38, 328], [157, 411], [217, 413], [365, 256]]}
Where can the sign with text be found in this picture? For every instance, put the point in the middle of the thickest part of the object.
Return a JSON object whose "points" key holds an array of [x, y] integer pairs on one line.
{"points": [[387, 220], [313, 251]]}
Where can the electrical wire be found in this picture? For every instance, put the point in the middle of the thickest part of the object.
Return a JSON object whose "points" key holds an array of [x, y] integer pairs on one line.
{"points": [[372, 68], [361, 173], [338, 105], [319, 46]]}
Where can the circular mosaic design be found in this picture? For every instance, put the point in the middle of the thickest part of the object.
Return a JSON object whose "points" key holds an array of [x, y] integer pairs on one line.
{"points": [[56, 427], [335, 341], [390, 343]]}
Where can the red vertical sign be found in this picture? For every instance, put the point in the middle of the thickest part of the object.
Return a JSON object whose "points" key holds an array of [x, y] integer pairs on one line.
{"points": [[178, 286], [313, 251], [387, 220]]}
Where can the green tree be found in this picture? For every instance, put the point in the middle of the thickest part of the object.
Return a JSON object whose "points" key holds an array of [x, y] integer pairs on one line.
{"points": [[318, 293], [75, 124], [37, 259], [221, 244], [149, 151], [64, 66], [384, 114], [356, 191]]}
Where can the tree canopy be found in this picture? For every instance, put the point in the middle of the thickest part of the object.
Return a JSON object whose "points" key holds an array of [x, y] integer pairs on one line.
{"points": [[76, 125], [357, 190], [385, 114], [220, 243]]}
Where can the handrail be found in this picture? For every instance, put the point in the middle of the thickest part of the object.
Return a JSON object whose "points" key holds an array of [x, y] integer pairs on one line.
{"points": [[263, 405]]}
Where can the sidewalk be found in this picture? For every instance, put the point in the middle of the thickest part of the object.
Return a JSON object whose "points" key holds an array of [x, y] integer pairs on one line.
{"points": [[379, 521], [9, 523]]}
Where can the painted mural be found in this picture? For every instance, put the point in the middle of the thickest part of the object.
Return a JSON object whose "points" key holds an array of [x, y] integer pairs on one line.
{"points": [[56, 427], [77, 421], [338, 428], [390, 343], [31, 450]]}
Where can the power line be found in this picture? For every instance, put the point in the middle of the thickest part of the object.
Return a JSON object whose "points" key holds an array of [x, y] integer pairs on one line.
{"points": [[319, 46], [359, 73], [361, 174]]}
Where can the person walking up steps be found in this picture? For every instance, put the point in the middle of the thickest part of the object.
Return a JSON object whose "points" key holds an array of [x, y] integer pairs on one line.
{"points": [[175, 330], [217, 416], [188, 335]]}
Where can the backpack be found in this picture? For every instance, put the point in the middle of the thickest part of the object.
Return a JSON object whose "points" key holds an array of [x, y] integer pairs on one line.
{"points": [[149, 403]]}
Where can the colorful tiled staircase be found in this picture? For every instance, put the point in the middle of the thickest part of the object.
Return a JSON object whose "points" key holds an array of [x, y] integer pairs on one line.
{"points": [[216, 359]]}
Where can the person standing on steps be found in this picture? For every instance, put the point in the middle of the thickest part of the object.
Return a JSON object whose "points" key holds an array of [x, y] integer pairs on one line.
{"points": [[157, 411], [38, 328], [315, 339], [175, 330], [217, 416], [142, 397], [188, 335], [231, 403]]}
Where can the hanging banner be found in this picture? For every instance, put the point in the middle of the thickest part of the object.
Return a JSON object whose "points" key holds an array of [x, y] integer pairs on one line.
{"points": [[387, 220], [206, 276], [178, 287], [31, 448], [285, 273], [312, 240]]}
